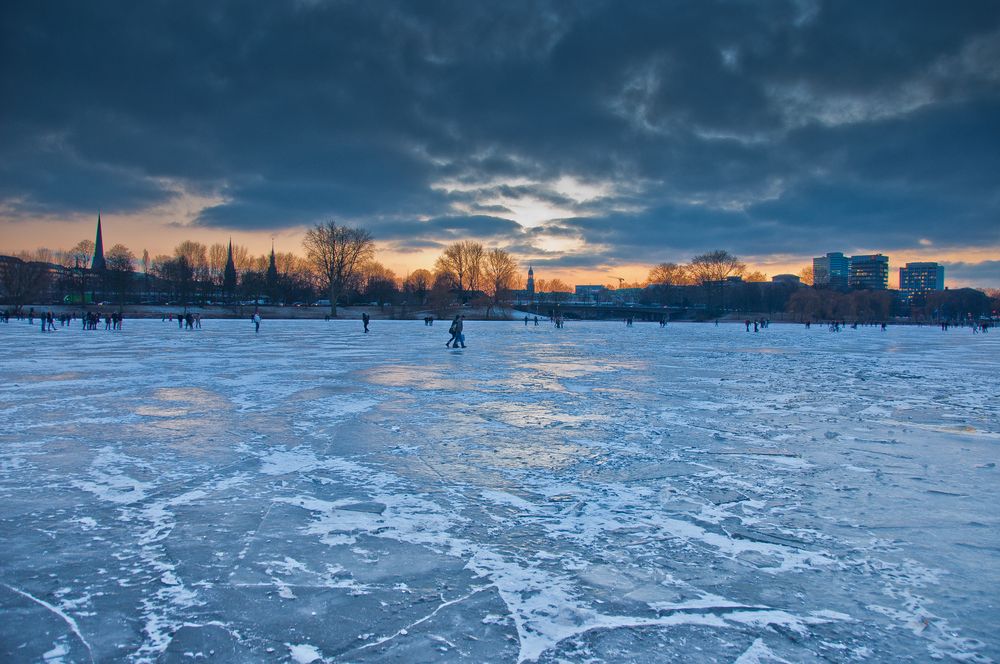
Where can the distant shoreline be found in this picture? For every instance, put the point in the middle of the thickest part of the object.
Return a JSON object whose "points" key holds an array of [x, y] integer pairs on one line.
{"points": [[271, 312]]}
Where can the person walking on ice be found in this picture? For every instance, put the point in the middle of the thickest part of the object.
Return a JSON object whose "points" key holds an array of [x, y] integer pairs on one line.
{"points": [[365, 319], [457, 337], [256, 321]]}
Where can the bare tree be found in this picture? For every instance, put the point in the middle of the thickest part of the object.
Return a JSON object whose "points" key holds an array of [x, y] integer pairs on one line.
{"points": [[559, 291], [755, 276], [79, 256], [716, 266], [806, 275], [253, 277], [377, 283], [287, 262], [462, 264], [335, 253], [499, 274], [217, 254], [195, 256], [670, 274], [120, 263], [44, 255], [419, 283], [195, 253], [76, 261]]}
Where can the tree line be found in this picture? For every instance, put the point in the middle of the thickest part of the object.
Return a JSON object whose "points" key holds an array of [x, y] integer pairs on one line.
{"points": [[339, 267]]}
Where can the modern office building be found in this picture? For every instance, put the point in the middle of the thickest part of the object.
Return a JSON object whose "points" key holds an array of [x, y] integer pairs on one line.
{"points": [[831, 271], [918, 279], [869, 272]]}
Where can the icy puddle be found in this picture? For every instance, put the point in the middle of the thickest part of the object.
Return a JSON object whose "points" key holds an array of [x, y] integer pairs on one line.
{"points": [[591, 494]]}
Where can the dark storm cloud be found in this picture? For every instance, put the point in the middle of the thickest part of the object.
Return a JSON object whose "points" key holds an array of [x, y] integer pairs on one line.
{"points": [[27, 171], [447, 229], [758, 127], [414, 246], [986, 273]]}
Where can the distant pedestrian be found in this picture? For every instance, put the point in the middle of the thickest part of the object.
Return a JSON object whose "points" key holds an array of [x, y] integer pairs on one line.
{"points": [[453, 331], [459, 333], [256, 322], [365, 319], [526, 320]]}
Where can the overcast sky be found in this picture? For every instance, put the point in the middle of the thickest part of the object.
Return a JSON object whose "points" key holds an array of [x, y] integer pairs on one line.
{"points": [[580, 135]]}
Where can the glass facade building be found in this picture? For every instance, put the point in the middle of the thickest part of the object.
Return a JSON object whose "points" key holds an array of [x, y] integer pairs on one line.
{"points": [[918, 279], [869, 272], [831, 271]]}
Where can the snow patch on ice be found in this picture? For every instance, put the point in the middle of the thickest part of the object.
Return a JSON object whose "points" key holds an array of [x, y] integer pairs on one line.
{"points": [[759, 653], [303, 653]]}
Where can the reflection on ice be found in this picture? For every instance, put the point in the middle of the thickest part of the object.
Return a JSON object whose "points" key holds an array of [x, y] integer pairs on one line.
{"points": [[593, 493]]}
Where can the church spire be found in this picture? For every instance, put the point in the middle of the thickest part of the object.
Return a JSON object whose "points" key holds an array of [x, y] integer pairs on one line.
{"points": [[272, 274], [98, 261], [229, 273], [272, 268]]}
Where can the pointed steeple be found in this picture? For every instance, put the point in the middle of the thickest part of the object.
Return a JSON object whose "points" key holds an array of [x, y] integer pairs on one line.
{"points": [[229, 273], [98, 261], [530, 287], [272, 268]]}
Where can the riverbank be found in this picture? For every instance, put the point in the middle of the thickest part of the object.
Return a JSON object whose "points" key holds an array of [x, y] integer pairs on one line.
{"points": [[134, 311]]}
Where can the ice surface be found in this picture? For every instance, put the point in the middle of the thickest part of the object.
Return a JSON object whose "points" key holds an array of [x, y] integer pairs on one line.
{"points": [[596, 493]]}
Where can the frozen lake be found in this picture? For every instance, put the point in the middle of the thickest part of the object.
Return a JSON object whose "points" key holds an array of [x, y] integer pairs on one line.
{"points": [[591, 494]]}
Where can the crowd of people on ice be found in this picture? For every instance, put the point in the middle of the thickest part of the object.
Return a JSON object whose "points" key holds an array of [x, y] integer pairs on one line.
{"points": [[758, 325], [188, 320], [89, 320]]}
